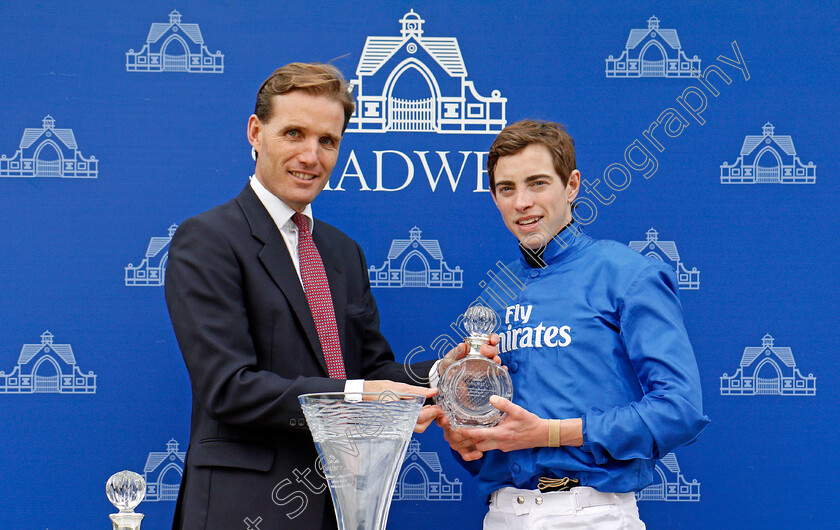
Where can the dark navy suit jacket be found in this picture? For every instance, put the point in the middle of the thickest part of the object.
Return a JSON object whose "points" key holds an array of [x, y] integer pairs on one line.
{"points": [[249, 342]]}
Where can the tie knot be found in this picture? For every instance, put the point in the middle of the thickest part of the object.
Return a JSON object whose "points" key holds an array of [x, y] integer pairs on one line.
{"points": [[300, 221]]}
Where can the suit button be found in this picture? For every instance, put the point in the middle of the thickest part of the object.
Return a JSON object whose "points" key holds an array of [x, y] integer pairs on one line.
{"points": [[292, 422], [515, 468], [520, 499], [538, 500]]}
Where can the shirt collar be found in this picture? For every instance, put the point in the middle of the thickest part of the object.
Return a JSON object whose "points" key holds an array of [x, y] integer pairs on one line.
{"points": [[279, 211], [564, 244]]}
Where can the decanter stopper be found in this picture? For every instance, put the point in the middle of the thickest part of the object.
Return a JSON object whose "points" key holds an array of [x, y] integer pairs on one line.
{"points": [[479, 321], [126, 490]]}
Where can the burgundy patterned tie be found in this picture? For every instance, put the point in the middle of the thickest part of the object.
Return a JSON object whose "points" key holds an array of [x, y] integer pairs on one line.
{"points": [[317, 291]]}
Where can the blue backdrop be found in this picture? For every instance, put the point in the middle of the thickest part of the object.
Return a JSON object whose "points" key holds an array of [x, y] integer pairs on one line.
{"points": [[703, 124]]}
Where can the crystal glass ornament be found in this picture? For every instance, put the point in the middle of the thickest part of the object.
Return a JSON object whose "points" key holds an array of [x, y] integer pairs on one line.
{"points": [[361, 447], [466, 385], [126, 490]]}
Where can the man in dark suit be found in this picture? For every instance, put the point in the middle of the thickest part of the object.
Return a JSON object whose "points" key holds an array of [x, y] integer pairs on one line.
{"points": [[253, 332]]}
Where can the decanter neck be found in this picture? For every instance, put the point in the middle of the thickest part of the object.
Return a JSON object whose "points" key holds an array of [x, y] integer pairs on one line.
{"points": [[475, 342]]}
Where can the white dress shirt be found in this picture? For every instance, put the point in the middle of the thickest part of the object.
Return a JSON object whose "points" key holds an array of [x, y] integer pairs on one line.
{"points": [[282, 214]]}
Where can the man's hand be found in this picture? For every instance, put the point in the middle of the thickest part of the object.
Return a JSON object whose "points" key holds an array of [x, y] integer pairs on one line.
{"points": [[520, 429], [428, 414], [457, 441], [489, 350], [383, 385]]}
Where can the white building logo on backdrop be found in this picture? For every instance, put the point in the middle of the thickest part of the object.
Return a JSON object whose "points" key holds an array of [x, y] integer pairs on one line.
{"points": [[768, 370], [152, 270], [174, 47], [669, 484], [47, 368], [667, 251], [422, 479], [415, 262], [768, 159], [413, 83], [652, 52], [163, 472], [48, 152]]}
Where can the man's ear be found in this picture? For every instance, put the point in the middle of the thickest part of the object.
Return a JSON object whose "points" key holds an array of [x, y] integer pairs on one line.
{"points": [[573, 186], [254, 128]]}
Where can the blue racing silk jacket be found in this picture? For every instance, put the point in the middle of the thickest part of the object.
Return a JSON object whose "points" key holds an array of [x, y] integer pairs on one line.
{"points": [[597, 334]]}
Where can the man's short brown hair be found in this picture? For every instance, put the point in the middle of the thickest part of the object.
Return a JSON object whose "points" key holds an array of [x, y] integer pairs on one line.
{"points": [[318, 79], [517, 136]]}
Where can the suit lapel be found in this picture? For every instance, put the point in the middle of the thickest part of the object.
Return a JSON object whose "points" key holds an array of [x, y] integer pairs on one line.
{"points": [[278, 263]]}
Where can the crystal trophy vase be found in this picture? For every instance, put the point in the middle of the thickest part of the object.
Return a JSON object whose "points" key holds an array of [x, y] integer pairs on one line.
{"points": [[361, 447], [467, 384], [125, 490]]}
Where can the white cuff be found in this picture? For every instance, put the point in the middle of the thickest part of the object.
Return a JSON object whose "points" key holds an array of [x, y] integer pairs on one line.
{"points": [[354, 388], [434, 377]]}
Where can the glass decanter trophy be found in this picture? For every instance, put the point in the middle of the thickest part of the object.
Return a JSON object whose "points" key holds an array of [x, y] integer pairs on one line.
{"points": [[466, 385], [361, 447], [125, 490]]}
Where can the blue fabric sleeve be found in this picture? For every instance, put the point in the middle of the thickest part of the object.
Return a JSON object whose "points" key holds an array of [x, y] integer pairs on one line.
{"points": [[670, 413]]}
